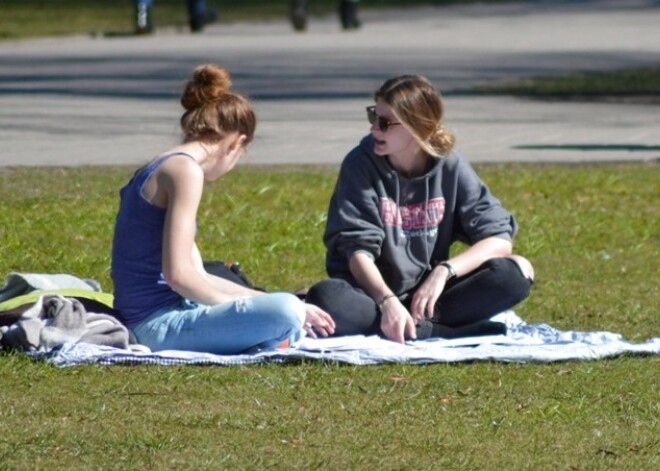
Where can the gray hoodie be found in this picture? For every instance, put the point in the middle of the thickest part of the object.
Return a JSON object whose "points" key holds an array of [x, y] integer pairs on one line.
{"points": [[407, 225]]}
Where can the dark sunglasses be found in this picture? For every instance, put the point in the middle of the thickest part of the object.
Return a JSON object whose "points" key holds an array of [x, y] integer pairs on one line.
{"points": [[383, 123]]}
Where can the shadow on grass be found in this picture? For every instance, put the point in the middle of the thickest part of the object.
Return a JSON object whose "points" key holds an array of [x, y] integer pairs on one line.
{"points": [[592, 147]]}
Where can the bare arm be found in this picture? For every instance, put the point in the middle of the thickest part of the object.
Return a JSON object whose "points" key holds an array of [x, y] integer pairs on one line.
{"points": [[180, 184]]}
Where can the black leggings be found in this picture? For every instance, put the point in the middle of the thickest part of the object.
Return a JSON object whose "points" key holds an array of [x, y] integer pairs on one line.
{"points": [[463, 309]]}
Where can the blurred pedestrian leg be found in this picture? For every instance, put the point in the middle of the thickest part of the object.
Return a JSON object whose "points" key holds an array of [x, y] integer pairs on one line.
{"points": [[198, 15], [347, 10], [348, 14], [143, 16], [298, 15]]}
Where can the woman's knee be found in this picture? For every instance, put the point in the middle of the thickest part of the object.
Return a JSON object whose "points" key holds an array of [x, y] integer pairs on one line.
{"points": [[512, 277], [519, 278], [288, 308], [524, 265], [352, 310], [327, 292]]}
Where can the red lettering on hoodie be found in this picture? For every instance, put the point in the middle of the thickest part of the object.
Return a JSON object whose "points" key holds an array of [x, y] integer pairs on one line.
{"points": [[414, 216]]}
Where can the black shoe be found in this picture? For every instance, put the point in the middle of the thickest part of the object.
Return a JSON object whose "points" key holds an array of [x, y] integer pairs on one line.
{"points": [[348, 15], [198, 22], [298, 15]]}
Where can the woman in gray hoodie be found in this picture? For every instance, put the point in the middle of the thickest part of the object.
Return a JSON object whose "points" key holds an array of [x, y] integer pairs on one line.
{"points": [[402, 198]]}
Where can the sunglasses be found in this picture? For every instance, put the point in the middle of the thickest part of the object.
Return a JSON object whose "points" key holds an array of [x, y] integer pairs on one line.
{"points": [[382, 123]]}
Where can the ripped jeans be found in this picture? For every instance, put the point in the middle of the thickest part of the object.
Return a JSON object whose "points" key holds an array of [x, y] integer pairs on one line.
{"points": [[243, 325]]}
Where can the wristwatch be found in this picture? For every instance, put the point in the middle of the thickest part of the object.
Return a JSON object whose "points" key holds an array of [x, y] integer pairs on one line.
{"points": [[451, 272]]}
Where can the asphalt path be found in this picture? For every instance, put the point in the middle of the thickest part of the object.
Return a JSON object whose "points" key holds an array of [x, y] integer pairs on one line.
{"points": [[106, 100]]}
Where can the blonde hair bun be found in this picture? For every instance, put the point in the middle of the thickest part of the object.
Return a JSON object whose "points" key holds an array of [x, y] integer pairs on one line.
{"points": [[209, 83]]}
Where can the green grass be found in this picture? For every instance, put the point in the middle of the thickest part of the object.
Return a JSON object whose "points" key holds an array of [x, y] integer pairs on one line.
{"points": [[42, 18], [635, 84], [591, 232]]}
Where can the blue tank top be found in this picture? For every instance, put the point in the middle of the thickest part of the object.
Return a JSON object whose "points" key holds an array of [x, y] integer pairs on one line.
{"points": [[137, 251]]}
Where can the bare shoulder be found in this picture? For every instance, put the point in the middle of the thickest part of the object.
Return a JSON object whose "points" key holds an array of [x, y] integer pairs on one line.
{"points": [[180, 170], [179, 174], [182, 165]]}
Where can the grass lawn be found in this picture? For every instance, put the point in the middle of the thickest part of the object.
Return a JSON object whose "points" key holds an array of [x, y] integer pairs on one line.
{"points": [[638, 85], [591, 231]]}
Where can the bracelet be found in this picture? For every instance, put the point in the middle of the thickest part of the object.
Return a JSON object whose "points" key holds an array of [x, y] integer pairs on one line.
{"points": [[451, 272], [385, 298]]}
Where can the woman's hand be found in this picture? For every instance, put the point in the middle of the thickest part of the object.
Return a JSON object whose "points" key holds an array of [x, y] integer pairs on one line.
{"points": [[396, 322], [318, 322], [423, 301]]}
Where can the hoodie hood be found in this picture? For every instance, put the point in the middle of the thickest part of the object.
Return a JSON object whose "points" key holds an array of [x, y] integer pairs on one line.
{"points": [[382, 162]]}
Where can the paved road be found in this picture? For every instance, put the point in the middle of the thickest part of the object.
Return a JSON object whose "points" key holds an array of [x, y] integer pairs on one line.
{"points": [[113, 100]]}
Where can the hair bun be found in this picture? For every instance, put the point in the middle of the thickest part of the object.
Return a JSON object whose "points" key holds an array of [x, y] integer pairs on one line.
{"points": [[208, 84]]}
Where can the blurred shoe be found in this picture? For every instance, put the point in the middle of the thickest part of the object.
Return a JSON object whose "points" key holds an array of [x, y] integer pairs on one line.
{"points": [[348, 15], [298, 15], [198, 22]]}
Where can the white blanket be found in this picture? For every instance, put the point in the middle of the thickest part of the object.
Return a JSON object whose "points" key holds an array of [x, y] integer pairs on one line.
{"points": [[523, 343]]}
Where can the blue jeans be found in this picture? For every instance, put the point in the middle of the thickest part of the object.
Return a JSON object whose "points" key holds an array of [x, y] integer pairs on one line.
{"points": [[247, 324]]}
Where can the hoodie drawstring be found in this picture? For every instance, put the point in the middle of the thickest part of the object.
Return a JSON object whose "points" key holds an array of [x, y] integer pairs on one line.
{"points": [[426, 224], [397, 232]]}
